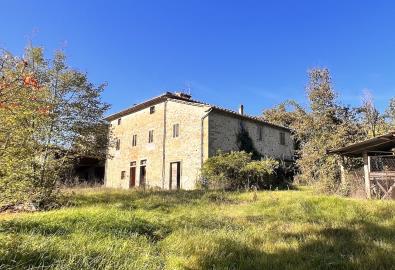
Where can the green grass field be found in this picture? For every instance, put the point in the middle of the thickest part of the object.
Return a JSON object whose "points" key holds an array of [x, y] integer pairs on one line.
{"points": [[111, 229]]}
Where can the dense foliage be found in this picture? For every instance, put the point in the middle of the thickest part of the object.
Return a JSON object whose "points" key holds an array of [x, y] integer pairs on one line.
{"points": [[327, 124], [237, 170], [49, 114]]}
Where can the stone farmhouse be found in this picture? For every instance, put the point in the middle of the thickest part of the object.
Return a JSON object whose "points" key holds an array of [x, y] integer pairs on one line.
{"points": [[163, 142]]}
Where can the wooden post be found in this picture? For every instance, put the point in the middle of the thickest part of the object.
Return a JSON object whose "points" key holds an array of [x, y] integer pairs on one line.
{"points": [[342, 172], [366, 169]]}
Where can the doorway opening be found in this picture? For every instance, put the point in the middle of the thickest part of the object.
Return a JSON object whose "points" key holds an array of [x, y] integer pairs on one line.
{"points": [[143, 173], [175, 175], [132, 180]]}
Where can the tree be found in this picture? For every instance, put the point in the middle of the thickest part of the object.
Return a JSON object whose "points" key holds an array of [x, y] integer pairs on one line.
{"points": [[318, 129], [372, 121], [288, 114], [51, 114], [23, 112], [285, 114], [329, 125], [325, 124], [390, 113]]}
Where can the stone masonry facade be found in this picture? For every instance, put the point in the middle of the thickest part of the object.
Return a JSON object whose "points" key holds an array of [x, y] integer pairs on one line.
{"points": [[163, 142]]}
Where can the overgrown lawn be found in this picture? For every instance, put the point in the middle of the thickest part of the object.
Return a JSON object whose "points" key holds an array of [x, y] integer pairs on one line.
{"points": [[113, 229]]}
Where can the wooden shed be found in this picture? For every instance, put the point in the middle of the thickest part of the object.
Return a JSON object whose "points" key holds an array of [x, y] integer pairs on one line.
{"points": [[378, 156]]}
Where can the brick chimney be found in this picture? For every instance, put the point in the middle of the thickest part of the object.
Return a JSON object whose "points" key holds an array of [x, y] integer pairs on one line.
{"points": [[241, 109]]}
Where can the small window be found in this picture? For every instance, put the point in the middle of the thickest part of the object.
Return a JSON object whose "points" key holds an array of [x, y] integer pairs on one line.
{"points": [[143, 162], [151, 109], [134, 140], [151, 136], [260, 135], [118, 144], [133, 163], [123, 173], [176, 130], [119, 121], [282, 138]]}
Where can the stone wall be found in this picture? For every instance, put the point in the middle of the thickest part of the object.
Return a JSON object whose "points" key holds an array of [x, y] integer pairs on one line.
{"points": [[138, 123], [186, 148], [200, 135], [223, 129]]}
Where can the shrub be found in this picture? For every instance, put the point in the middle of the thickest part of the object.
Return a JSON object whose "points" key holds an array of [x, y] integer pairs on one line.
{"points": [[235, 170], [224, 170], [260, 173]]}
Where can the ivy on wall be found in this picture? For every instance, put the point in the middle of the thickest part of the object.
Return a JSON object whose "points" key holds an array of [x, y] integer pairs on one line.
{"points": [[245, 143]]}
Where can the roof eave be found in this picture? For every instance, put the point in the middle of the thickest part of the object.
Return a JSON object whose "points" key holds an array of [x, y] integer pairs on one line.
{"points": [[169, 95], [365, 146], [251, 118]]}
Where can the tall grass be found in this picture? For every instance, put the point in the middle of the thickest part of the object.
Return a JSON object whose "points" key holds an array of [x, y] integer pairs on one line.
{"points": [[112, 229]]}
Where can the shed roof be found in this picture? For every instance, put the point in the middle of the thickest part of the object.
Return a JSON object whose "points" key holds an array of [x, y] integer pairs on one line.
{"points": [[383, 143], [169, 95]]}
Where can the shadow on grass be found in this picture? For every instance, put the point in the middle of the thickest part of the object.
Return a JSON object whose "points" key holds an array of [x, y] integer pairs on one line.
{"points": [[33, 227], [331, 248], [361, 245], [88, 225], [22, 256], [17, 258]]}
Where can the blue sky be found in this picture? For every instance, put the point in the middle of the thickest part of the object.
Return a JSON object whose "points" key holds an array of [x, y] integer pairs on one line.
{"points": [[227, 52]]}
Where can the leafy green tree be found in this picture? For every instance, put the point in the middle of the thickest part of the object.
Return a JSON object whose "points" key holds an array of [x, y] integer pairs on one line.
{"points": [[23, 112], [50, 114], [325, 124], [319, 128], [286, 114]]}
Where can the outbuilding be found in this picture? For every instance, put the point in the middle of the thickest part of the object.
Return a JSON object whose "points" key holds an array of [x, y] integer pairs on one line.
{"points": [[378, 155]]}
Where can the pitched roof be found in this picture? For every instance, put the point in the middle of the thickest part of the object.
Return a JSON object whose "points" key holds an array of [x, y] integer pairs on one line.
{"points": [[383, 143], [169, 95]]}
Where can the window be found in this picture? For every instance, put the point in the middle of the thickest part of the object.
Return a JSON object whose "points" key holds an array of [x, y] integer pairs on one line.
{"points": [[260, 135], [123, 173], [282, 138], [134, 140], [151, 136], [119, 121], [143, 162], [133, 163], [176, 130], [151, 109], [118, 144]]}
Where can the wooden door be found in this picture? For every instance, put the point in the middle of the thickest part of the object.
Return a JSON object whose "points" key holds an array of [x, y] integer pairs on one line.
{"points": [[175, 175], [132, 182]]}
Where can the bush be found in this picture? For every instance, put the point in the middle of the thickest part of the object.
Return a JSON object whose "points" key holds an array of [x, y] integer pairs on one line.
{"points": [[236, 170], [260, 173]]}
